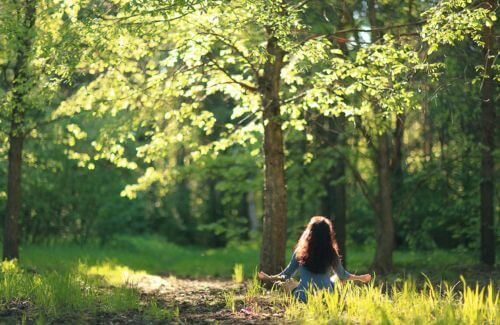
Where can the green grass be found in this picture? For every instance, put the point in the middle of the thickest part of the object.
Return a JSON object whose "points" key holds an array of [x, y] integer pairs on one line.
{"points": [[63, 281], [374, 304], [56, 295], [149, 254], [154, 255]]}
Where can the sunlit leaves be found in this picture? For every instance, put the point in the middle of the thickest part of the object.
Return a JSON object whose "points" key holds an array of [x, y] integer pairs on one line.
{"points": [[451, 21]]}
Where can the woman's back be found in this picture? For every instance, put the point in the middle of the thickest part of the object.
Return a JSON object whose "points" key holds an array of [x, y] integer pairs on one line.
{"points": [[315, 257], [310, 279]]}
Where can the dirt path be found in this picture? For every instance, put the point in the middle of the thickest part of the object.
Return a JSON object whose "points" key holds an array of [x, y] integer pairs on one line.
{"points": [[188, 301], [202, 301]]}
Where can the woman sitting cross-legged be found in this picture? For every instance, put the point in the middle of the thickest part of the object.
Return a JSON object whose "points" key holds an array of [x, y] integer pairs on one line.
{"points": [[316, 255]]}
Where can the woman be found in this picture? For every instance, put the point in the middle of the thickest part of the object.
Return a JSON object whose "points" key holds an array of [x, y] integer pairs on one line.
{"points": [[315, 256]]}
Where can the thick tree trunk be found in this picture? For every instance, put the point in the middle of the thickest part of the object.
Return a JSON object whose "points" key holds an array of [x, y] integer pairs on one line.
{"points": [[488, 118], [384, 228], [11, 236], [14, 195], [272, 258], [385, 224]]}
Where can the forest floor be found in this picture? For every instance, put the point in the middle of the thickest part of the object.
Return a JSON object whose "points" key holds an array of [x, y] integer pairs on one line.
{"points": [[145, 280], [187, 301], [202, 301]]}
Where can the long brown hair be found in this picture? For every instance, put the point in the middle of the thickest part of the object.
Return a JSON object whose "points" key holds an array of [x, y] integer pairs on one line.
{"points": [[317, 248]]}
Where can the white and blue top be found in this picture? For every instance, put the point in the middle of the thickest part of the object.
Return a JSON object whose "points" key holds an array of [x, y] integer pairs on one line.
{"points": [[310, 279]]}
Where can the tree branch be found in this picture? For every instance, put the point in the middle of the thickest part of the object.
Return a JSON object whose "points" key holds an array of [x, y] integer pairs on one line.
{"points": [[365, 133], [225, 41], [293, 98], [362, 184], [334, 35], [149, 12], [241, 83]]}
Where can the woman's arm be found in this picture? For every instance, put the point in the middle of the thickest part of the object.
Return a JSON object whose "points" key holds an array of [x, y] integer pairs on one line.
{"points": [[266, 277], [287, 273], [343, 275], [363, 278]]}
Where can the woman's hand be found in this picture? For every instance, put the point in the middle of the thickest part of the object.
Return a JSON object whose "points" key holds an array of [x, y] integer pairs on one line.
{"points": [[264, 276], [365, 278]]}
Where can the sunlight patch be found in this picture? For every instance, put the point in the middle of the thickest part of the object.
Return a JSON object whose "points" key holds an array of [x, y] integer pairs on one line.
{"points": [[112, 274], [120, 275]]}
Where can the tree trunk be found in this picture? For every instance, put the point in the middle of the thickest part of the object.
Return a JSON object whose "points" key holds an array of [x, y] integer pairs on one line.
{"points": [[183, 201], [396, 168], [333, 204], [340, 207], [385, 224], [384, 228], [215, 214], [252, 213], [14, 195], [372, 18], [11, 236], [488, 117], [272, 258], [426, 126], [397, 155]]}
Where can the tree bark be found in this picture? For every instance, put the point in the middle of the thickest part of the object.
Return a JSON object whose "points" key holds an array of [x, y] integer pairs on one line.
{"points": [[382, 262], [397, 152], [488, 116], [11, 229], [384, 227], [14, 194], [334, 203], [426, 126], [372, 18], [272, 257], [340, 208], [252, 213], [183, 201]]}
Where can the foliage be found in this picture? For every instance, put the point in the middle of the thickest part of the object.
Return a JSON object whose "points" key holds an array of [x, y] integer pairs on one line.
{"points": [[400, 303], [147, 118]]}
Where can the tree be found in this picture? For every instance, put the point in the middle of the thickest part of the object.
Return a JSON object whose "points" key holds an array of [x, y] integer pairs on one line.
{"points": [[275, 73], [488, 119], [207, 58], [477, 23], [45, 47], [19, 88]]}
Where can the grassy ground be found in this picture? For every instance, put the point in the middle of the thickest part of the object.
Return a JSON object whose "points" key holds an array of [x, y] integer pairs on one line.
{"points": [[147, 280]]}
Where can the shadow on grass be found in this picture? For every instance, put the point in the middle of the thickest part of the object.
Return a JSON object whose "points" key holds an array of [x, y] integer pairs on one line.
{"points": [[153, 255]]}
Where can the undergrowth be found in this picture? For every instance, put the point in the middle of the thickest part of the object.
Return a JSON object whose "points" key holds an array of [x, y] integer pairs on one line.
{"points": [[404, 303], [78, 293]]}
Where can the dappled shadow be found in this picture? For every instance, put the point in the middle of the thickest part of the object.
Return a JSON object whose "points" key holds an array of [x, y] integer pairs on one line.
{"points": [[202, 302], [198, 301]]}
